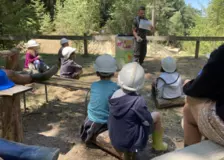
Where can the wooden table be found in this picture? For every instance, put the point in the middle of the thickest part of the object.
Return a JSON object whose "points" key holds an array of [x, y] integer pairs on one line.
{"points": [[10, 114]]}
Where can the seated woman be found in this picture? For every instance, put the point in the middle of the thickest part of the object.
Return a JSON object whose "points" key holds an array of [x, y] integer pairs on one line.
{"points": [[33, 60], [168, 85], [69, 68], [204, 106]]}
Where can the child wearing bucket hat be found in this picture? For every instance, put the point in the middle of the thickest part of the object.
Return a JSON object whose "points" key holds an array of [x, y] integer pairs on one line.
{"points": [[169, 84], [69, 68], [33, 59], [130, 123], [98, 107], [64, 43]]}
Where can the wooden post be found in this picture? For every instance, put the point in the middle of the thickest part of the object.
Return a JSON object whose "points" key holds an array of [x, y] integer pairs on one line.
{"points": [[12, 59], [85, 45], [153, 15], [46, 94], [10, 114], [197, 49]]}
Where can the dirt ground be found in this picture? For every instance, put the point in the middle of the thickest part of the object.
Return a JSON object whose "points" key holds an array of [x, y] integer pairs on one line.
{"points": [[57, 123]]}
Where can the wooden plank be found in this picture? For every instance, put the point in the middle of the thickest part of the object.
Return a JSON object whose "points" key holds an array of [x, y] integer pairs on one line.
{"points": [[103, 141], [69, 83], [187, 38], [197, 49], [15, 90], [50, 37], [201, 151], [110, 38]]}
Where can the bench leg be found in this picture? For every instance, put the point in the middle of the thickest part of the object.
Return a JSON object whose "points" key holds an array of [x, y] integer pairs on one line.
{"points": [[24, 101], [46, 94], [11, 120]]}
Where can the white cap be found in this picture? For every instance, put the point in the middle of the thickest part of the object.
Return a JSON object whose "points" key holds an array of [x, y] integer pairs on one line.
{"points": [[67, 51], [32, 43], [105, 64], [169, 64], [131, 77], [63, 41]]}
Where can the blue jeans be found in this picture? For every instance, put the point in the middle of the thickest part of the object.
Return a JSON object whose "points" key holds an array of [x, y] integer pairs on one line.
{"points": [[17, 151]]}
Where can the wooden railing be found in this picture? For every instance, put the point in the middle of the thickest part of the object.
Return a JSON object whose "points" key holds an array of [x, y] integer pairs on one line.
{"points": [[85, 38]]}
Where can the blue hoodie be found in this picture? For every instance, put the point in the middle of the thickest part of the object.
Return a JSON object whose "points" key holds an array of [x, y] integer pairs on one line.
{"points": [[130, 123]]}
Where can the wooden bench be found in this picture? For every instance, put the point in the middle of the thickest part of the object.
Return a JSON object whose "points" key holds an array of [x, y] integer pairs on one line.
{"points": [[67, 83], [103, 141], [205, 150], [167, 103], [10, 113]]}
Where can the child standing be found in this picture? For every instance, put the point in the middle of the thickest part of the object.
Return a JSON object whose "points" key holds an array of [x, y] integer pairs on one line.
{"points": [[169, 84], [69, 68], [98, 107], [130, 123], [32, 57]]}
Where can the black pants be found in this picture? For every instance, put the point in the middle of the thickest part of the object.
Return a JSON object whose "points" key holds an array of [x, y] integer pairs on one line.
{"points": [[140, 50]]}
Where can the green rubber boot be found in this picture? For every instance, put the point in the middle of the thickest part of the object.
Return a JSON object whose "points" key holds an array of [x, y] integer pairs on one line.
{"points": [[46, 75], [157, 141]]}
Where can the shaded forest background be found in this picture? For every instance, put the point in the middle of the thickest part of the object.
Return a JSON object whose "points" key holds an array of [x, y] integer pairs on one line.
{"points": [[76, 17]]}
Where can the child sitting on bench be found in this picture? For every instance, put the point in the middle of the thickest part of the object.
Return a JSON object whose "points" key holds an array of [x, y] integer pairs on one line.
{"points": [[169, 84], [33, 59], [130, 123], [69, 68], [98, 107]]}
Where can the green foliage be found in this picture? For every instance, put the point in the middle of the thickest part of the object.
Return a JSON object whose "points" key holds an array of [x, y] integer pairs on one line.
{"points": [[174, 17], [122, 15], [210, 24], [77, 17], [44, 19]]}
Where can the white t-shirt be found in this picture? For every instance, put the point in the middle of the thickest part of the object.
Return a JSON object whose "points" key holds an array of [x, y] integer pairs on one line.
{"points": [[169, 85]]}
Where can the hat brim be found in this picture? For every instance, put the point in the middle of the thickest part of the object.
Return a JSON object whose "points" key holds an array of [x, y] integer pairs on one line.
{"points": [[33, 46]]}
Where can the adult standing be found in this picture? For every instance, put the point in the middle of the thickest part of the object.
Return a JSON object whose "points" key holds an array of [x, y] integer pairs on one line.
{"points": [[140, 42]]}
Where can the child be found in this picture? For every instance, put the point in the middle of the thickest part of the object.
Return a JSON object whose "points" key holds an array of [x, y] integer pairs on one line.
{"points": [[64, 43], [69, 69], [32, 57], [169, 84], [98, 107], [130, 123]]}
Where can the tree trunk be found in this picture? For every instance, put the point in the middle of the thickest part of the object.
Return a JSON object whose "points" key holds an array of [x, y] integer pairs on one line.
{"points": [[10, 118]]}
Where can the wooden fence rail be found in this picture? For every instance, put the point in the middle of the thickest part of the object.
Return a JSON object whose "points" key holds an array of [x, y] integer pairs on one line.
{"points": [[86, 38]]}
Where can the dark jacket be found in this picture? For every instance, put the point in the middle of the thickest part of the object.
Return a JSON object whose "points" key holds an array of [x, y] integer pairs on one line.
{"points": [[210, 83], [60, 54], [141, 32], [69, 69], [130, 123]]}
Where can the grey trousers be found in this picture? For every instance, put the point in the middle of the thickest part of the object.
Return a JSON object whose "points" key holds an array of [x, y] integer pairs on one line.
{"points": [[140, 50]]}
